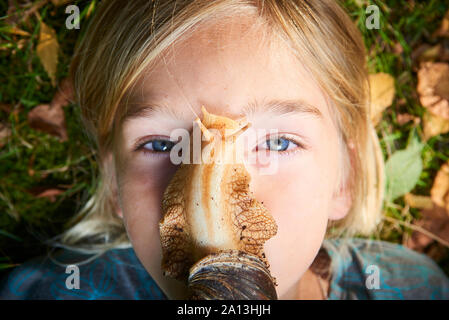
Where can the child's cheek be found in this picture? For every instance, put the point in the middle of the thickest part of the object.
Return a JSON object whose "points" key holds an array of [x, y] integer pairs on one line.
{"points": [[299, 196], [300, 185], [141, 186]]}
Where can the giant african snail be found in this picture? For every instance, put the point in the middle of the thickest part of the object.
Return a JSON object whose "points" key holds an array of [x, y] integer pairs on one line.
{"points": [[213, 229]]}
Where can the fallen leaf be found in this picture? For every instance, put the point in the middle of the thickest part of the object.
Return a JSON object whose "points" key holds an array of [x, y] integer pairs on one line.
{"points": [[5, 133], [64, 94], [440, 188], [403, 118], [45, 192], [49, 119], [417, 201], [426, 52], [50, 194], [382, 93], [434, 125], [434, 221], [47, 51], [433, 88], [443, 31]]}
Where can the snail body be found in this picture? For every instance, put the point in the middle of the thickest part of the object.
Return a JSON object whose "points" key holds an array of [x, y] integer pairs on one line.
{"points": [[209, 210]]}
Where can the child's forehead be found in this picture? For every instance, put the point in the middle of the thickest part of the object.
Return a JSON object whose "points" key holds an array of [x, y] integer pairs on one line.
{"points": [[234, 39], [226, 65], [228, 31]]}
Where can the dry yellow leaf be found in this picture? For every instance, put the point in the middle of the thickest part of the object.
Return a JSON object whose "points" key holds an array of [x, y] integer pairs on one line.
{"points": [[382, 93], [433, 88], [440, 188], [434, 125], [443, 31], [47, 51]]}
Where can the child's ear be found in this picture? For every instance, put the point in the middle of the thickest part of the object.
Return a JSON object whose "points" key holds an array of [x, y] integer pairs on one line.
{"points": [[110, 171], [118, 209], [341, 204], [342, 200]]}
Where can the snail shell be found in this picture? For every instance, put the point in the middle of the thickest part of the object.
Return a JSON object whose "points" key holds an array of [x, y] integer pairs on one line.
{"points": [[231, 275]]}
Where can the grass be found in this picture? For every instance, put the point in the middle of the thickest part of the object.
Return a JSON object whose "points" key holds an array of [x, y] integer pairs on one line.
{"points": [[32, 159], [407, 24]]}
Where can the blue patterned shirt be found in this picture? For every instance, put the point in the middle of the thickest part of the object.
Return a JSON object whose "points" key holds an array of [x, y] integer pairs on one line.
{"points": [[360, 269]]}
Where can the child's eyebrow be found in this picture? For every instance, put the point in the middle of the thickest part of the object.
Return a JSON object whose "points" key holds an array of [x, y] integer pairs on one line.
{"points": [[274, 107], [281, 107]]}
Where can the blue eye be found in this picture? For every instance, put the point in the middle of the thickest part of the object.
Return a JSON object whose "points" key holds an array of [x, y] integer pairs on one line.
{"points": [[158, 145], [282, 144], [278, 144]]}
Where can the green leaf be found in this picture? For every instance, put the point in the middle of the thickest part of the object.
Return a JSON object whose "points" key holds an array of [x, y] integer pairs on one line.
{"points": [[402, 170]]}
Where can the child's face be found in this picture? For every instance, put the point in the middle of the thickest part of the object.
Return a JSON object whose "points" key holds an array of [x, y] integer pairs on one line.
{"points": [[225, 69]]}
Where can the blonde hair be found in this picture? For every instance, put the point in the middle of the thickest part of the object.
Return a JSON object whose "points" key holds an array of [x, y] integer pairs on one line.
{"points": [[125, 37]]}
